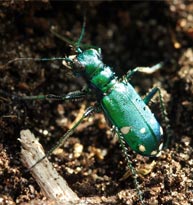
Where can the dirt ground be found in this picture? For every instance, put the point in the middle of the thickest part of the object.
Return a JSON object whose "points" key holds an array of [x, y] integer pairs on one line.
{"points": [[130, 34]]}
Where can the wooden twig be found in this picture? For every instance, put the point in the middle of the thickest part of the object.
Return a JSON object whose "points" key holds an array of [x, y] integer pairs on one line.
{"points": [[51, 183]]}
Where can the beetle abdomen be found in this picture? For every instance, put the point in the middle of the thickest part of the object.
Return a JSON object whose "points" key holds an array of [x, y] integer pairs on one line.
{"points": [[126, 110]]}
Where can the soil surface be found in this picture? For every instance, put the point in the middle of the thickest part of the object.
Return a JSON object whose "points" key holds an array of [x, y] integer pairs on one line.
{"points": [[130, 34]]}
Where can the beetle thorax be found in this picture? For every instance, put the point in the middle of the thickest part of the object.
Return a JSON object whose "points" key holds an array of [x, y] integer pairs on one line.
{"points": [[96, 73]]}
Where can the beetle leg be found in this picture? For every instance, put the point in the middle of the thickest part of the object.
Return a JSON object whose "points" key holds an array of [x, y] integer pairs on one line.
{"points": [[129, 165], [164, 114], [75, 95], [165, 119], [150, 95], [147, 70], [142, 171], [89, 111]]}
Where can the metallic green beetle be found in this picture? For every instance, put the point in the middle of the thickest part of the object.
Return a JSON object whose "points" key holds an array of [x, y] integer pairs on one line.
{"points": [[122, 106]]}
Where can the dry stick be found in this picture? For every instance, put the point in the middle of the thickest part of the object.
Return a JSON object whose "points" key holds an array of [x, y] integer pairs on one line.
{"points": [[52, 184]]}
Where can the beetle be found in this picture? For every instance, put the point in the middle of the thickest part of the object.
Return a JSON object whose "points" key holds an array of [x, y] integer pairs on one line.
{"points": [[120, 103], [124, 109]]}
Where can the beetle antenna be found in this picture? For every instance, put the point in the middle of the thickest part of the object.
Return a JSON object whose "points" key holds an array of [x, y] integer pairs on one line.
{"points": [[78, 45], [81, 34], [34, 59]]}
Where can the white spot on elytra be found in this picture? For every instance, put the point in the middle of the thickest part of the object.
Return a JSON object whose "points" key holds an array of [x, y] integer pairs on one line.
{"points": [[154, 152], [125, 130], [143, 130], [152, 121], [142, 148]]}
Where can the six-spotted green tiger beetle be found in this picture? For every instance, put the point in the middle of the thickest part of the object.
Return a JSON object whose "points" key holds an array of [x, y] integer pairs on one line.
{"points": [[127, 113]]}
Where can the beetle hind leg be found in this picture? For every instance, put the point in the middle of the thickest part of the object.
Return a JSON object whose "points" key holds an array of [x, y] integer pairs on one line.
{"points": [[164, 114], [150, 95], [130, 166]]}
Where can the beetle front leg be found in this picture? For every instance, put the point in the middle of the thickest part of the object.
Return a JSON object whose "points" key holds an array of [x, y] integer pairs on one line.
{"points": [[147, 70], [75, 95]]}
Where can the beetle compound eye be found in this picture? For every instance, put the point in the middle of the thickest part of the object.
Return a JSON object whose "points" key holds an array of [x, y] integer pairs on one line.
{"points": [[78, 66]]}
